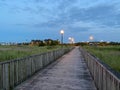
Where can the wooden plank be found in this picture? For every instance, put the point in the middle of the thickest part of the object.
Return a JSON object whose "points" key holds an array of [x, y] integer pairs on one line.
{"points": [[11, 74], [6, 77], [1, 76]]}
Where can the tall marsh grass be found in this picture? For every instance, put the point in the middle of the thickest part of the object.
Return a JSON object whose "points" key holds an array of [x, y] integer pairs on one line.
{"points": [[13, 52], [108, 54]]}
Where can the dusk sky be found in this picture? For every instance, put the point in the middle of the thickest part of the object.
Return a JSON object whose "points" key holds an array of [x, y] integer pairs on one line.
{"points": [[24, 20]]}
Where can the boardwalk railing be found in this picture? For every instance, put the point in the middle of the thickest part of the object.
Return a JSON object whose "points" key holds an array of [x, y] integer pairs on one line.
{"points": [[104, 77], [14, 72]]}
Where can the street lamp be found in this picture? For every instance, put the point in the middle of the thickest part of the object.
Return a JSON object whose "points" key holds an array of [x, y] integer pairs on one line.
{"points": [[91, 38], [62, 32], [71, 40]]}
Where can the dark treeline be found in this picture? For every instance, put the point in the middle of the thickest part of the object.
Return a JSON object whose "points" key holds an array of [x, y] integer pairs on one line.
{"points": [[50, 42], [97, 43], [46, 42]]}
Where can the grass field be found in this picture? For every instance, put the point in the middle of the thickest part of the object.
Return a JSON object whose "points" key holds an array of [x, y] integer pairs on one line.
{"points": [[12, 52], [109, 54]]}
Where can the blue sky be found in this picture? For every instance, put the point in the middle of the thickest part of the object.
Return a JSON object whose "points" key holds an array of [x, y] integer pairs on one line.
{"points": [[24, 20]]}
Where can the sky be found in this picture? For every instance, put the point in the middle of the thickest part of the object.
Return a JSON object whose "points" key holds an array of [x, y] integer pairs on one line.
{"points": [[25, 20]]}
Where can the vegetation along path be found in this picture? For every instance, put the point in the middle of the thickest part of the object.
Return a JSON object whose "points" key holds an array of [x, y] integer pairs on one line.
{"points": [[67, 73]]}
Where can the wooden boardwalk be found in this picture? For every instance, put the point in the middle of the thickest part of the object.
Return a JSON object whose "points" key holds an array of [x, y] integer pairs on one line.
{"points": [[67, 73]]}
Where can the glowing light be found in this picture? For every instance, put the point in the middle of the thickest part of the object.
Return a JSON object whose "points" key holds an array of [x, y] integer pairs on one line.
{"points": [[71, 40], [91, 37], [62, 32]]}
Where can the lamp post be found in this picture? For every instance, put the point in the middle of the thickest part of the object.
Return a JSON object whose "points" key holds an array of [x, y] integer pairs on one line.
{"points": [[62, 33], [91, 39], [71, 40]]}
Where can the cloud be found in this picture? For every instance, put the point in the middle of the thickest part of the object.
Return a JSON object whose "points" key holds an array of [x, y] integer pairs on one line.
{"points": [[66, 13], [3, 3], [93, 13], [101, 14]]}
